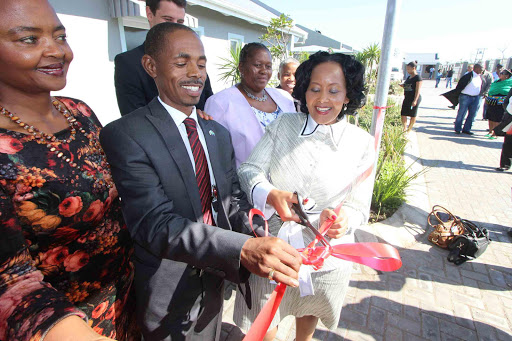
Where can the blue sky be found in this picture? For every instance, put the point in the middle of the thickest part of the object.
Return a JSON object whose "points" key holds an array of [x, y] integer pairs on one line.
{"points": [[453, 28]]}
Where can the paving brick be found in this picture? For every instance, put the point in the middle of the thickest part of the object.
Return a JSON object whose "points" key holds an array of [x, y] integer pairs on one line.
{"points": [[430, 327], [497, 278], [351, 316], [393, 334], [410, 326], [363, 335], [412, 337], [490, 318], [457, 331], [377, 319], [448, 337], [474, 302], [463, 315], [476, 276]]}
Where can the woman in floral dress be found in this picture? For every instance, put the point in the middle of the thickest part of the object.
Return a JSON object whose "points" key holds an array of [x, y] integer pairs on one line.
{"points": [[65, 270]]}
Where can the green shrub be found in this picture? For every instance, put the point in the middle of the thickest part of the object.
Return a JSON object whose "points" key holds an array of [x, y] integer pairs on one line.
{"points": [[392, 175]]}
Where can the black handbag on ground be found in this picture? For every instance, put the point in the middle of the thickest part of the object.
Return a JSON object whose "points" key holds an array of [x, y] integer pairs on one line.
{"points": [[469, 245]]}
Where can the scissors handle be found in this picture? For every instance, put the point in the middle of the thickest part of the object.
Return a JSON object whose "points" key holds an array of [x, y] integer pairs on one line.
{"points": [[304, 219]]}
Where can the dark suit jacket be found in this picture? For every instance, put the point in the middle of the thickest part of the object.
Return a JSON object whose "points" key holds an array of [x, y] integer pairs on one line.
{"points": [[135, 88], [180, 263], [453, 95]]}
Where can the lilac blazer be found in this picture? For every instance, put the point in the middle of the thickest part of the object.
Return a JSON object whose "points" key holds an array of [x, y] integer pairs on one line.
{"points": [[230, 108]]}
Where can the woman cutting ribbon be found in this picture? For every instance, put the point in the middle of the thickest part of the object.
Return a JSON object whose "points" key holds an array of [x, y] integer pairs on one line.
{"points": [[319, 155]]}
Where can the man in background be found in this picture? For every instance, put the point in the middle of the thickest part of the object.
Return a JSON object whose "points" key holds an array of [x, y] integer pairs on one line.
{"points": [[496, 74], [134, 87], [469, 88], [449, 76]]}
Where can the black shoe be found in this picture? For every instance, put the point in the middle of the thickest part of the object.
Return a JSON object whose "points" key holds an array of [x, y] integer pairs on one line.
{"points": [[457, 132], [468, 133], [451, 107], [502, 169]]}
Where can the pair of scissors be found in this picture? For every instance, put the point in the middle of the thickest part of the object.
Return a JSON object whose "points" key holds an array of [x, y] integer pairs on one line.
{"points": [[312, 255]]}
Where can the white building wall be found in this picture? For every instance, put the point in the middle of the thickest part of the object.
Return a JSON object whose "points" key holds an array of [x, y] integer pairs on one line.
{"points": [[95, 41], [215, 40]]}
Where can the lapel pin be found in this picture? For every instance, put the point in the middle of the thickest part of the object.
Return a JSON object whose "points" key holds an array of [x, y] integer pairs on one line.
{"points": [[212, 133]]}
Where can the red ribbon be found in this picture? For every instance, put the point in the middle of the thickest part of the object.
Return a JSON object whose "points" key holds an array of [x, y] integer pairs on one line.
{"points": [[378, 256]]}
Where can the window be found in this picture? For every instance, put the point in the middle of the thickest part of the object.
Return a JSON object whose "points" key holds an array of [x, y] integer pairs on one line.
{"points": [[235, 40]]}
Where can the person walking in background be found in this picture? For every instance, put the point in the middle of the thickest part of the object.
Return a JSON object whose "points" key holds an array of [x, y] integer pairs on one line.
{"points": [[248, 107], [449, 76], [412, 97], [487, 80], [134, 87], [468, 96], [495, 99], [66, 271], [439, 76], [496, 74], [431, 72]]}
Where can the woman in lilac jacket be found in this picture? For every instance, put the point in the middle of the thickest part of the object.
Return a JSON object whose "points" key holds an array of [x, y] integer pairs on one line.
{"points": [[248, 107]]}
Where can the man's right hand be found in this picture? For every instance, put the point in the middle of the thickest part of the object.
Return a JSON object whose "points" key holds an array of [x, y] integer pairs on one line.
{"points": [[263, 254]]}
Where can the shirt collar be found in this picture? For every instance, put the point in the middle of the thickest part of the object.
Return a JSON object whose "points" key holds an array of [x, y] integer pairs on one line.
{"points": [[310, 126], [333, 131], [475, 74], [177, 116]]}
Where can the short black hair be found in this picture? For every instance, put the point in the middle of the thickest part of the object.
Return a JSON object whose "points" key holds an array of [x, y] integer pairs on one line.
{"points": [[413, 64], [155, 39], [354, 79], [154, 4], [247, 50]]}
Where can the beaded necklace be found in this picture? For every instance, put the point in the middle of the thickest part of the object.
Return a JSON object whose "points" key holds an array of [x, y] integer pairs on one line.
{"points": [[51, 141], [259, 99]]}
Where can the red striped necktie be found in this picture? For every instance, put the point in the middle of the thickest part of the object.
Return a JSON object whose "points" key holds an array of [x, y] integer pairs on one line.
{"points": [[202, 172]]}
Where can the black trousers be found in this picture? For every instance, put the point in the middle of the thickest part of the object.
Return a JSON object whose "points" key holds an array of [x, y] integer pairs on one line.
{"points": [[506, 152]]}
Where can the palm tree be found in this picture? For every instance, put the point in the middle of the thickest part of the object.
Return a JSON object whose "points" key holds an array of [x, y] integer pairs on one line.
{"points": [[372, 53], [230, 66]]}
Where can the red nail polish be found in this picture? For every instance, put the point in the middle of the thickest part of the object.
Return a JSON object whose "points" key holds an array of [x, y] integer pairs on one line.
{"points": [[333, 217], [306, 200]]}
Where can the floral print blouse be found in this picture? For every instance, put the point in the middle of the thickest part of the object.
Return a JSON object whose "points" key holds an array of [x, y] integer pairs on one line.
{"points": [[64, 247]]}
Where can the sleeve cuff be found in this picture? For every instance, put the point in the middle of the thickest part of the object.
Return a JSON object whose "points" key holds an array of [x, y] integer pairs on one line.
{"points": [[259, 196]]}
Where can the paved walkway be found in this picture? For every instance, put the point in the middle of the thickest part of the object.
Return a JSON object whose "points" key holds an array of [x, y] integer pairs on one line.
{"points": [[430, 298]]}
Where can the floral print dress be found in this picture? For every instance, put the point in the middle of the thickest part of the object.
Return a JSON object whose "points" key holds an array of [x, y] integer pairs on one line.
{"points": [[64, 247]]}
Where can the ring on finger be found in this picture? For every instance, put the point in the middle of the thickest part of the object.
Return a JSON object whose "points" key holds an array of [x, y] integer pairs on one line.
{"points": [[271, 274]]}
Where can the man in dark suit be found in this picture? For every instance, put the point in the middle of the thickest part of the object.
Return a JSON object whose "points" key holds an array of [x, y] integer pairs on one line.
{"points": [[134, 87], [175, 173]]}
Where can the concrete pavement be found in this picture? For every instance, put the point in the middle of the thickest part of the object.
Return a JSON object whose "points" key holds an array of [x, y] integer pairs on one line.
{"points": [[430, 298]]}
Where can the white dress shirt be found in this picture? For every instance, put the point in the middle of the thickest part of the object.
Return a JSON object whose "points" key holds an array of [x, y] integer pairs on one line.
{"points": [[473, 88], [179, 117]]}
